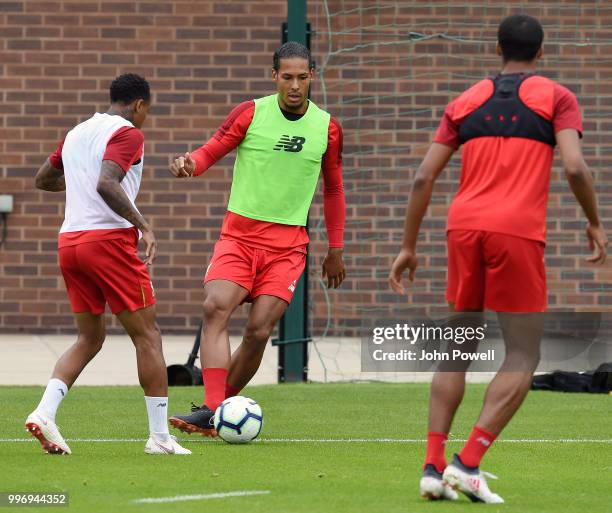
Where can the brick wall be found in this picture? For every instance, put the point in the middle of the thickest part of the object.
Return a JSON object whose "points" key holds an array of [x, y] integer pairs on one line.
{"points": [[57, 59]]}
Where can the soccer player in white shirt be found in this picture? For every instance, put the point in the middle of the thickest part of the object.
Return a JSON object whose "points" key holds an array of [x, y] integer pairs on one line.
{"points": [[99, 165]]}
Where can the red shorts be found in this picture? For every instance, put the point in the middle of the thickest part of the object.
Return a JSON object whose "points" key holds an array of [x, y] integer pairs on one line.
{"points": [[106, 271], [495, 271], [273, 273]]}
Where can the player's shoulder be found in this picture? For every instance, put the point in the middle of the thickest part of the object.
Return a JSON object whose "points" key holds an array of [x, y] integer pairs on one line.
{"points": [[335, 122], [563, 92], [267, 100], [335, 127], [324, 118], [472, 98], [244, 106], [543, 95], [540, 82], [127, 133], [241, 115]]}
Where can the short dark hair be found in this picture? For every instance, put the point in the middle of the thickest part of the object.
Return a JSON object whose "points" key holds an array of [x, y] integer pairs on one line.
{"points": [[289, 50], [520, 37], [129, 87]]}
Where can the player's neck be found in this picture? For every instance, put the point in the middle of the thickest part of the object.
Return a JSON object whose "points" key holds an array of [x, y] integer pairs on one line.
{"points": [[511, 67], [121, 110]]}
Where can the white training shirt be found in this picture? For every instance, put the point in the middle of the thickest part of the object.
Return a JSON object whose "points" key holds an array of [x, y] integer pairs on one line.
{"points": [[82, 155]]}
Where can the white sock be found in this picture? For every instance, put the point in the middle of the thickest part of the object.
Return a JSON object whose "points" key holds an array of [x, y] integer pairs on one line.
{"points": [[54, 393], [157, 409]]}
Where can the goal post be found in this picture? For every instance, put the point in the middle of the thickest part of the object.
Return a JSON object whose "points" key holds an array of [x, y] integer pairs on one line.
{"points": [[293, 334]]}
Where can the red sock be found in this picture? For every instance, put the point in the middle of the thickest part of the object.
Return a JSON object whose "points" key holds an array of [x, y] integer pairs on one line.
{"points": [[435, 450], [214, 386], [231, 391], [475, 448]]}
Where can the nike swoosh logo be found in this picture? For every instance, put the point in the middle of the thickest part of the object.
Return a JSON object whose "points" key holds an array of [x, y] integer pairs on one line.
{"points": [[167, 450]]}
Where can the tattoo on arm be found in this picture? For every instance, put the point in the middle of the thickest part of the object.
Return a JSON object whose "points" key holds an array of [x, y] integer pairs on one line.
{"points": [[49, 178], [109, 187]]}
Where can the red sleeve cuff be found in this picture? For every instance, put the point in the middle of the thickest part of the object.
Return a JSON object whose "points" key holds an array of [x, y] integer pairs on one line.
{"points": [[56, 157], [336, 238], [56, 161]]}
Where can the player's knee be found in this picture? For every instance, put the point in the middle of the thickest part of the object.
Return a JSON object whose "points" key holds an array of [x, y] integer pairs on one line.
{"points": [[257, 334], [93, 342], [148, 339], [522, 359], [215, 310]]}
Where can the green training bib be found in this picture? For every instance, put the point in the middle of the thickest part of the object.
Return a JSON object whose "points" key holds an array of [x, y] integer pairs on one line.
{"points": [[278, 164]]}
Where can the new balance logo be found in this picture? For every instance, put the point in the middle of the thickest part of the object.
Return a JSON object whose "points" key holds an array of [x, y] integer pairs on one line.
{"points": [[61, 392], [291, 144], [292, 286], [161, 405]]}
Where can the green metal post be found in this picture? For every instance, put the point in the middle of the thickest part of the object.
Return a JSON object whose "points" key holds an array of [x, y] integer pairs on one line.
{"points": [[293, 328]]}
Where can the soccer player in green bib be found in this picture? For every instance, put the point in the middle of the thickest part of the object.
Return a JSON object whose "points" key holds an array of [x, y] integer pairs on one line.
{"points": [[284, 141]]}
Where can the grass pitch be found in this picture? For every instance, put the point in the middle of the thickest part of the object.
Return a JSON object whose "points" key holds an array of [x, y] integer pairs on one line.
{"points": [[321, 450]]}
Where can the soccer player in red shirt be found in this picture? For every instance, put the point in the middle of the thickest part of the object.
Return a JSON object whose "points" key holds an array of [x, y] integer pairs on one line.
{"points": [[284, 141], [99, 164], [508, 126]]}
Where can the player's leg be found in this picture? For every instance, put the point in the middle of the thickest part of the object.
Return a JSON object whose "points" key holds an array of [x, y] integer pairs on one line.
{"points": [[221, 298], [273, 288], [142, 328], [41, 422], [125, 282], [516, 282], [505, 394], [448, 383], [464, 294], [522, 336], [446, 394], [265, 313], [91, 334], [87, 301]]}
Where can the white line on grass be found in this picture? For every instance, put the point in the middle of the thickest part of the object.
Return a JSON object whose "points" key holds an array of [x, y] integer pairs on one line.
{"points": [[339, 440], [179, 498]]}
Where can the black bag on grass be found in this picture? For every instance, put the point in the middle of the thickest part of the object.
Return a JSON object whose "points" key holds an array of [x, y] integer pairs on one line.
{"points": [[602, 378], [598, 381]]}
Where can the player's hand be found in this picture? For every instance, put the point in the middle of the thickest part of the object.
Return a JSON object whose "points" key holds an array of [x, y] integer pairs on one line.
{"points": [[333, 268], [598, 242], [183, 166], [150, 246], [406, 259]]}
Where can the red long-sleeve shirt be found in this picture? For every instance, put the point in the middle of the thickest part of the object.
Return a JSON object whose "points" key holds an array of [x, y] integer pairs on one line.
{"points": [[275, 236]]}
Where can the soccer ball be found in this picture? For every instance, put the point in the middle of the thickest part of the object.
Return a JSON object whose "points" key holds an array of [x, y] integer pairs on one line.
{"points": [[238, 420]]}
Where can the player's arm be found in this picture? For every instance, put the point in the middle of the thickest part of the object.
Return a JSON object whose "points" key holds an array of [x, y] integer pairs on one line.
{"points": [[435, 160], [50, 176], [109, 187], [334, 207], [581, 182], [229, 135], [122, 150]]}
